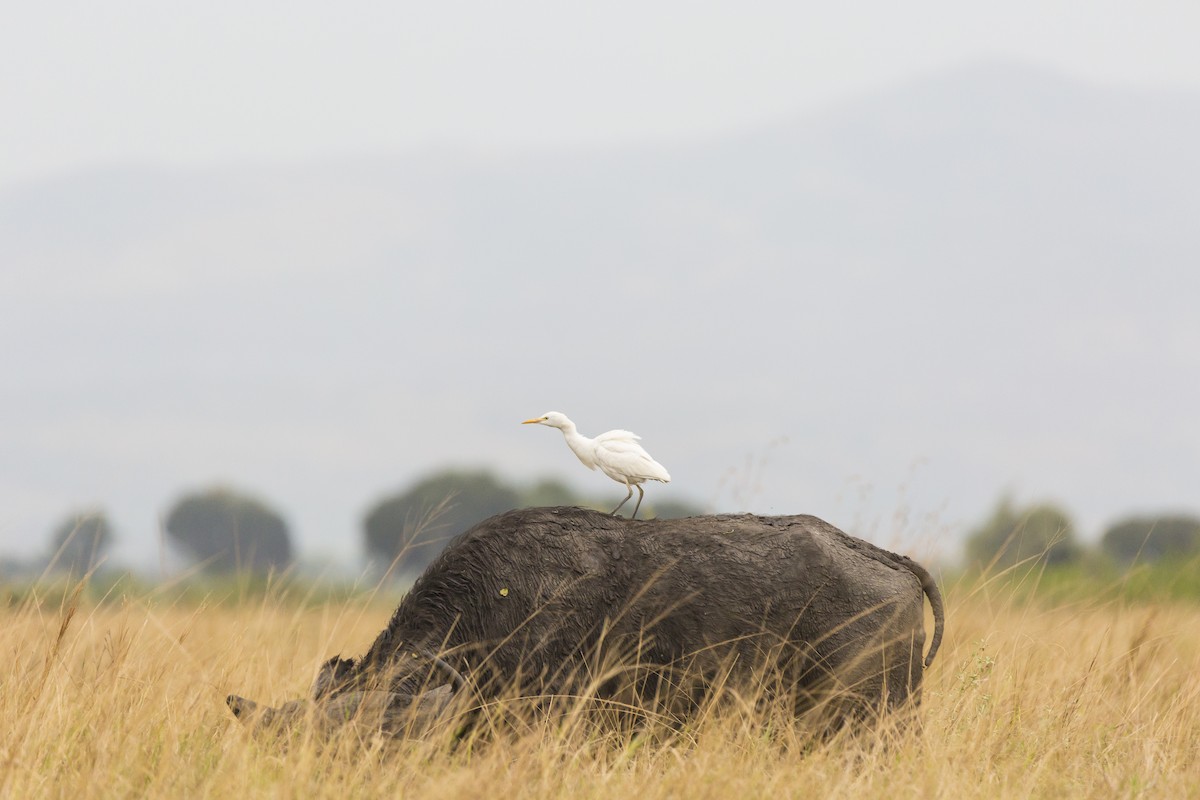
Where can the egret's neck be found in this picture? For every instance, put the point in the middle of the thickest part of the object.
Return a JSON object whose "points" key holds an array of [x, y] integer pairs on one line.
{"points": [[580, 445]]}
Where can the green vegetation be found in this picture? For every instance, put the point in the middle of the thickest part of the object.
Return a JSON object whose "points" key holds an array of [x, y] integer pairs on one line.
{"points": [[1033, 552], [198, 589], [80, 541], [1093, 579], [1014, 535], [228, 531], [408, 529], [1152, 539], [225, 531]]}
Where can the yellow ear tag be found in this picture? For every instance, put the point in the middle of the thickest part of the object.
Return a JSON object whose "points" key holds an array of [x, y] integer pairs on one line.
{"points": [[504, 592]]}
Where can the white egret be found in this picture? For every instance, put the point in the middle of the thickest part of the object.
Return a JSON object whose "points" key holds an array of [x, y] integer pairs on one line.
{"points": [[617, 454]]}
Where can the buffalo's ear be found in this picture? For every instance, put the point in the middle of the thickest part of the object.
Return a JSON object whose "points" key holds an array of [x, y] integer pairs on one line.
{"points": [[333, 676]]}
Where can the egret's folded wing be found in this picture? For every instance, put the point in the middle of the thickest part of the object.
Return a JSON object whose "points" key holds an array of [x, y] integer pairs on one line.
{"points": [[625, 457], [618, 436]]}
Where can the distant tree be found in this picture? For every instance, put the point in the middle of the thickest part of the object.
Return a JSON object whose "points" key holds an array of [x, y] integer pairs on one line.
{"points": [[80, 541], [1011, 535], [1152, 539], [412, 527], [229, 531], [669, 509], [553, 492], [550, 492]]}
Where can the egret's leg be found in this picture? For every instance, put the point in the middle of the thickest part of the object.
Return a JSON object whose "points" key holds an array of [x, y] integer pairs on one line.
{"points": [[623, 502], [641, 494]]}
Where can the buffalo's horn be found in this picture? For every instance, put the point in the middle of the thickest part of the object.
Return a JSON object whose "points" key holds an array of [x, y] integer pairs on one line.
{"points": [[456, 680]]}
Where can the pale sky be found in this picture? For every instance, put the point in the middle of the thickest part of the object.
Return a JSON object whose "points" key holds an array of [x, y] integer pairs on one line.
{"points": [[92, 84], [88, 86]]}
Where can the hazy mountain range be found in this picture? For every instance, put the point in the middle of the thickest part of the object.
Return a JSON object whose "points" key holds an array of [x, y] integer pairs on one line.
{"points": [[885, 314]]}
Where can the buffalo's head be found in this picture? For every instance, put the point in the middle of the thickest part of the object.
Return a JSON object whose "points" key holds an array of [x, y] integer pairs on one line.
{"points": [[337, 704]]}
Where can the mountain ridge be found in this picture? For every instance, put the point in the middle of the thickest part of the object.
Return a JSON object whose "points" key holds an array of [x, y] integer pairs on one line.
{"points": [[887, 285]]}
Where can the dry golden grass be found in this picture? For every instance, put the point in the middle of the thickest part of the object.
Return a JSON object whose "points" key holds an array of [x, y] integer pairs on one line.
{"points": [[127, 700]]}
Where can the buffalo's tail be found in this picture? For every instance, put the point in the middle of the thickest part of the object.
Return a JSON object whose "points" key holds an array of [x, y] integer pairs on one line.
{"points": [[929, 586]]}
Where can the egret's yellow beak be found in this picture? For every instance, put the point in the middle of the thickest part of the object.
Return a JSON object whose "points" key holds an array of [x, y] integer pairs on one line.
{"points": [[532, 421]]}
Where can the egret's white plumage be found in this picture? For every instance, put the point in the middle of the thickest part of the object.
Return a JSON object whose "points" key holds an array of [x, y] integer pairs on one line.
{"points": [[616, 453]]}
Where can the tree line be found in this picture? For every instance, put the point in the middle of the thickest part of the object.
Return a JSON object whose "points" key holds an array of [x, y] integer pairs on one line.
{"points": [[224, 530], [1044, 532]]}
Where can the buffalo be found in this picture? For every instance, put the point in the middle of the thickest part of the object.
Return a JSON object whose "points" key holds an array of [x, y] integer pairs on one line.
{"points": [[658, 614]]}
